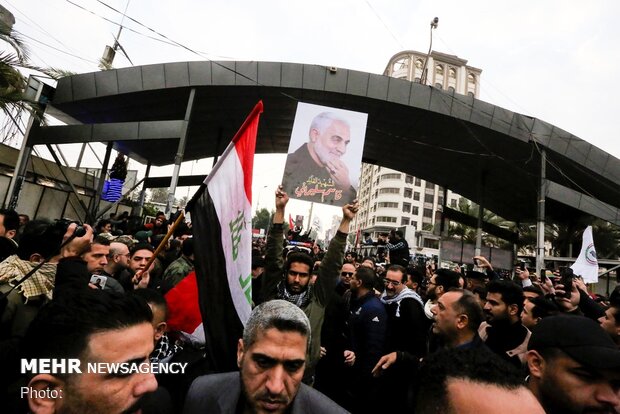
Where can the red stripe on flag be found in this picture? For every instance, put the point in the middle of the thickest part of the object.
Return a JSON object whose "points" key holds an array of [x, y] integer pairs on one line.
{"points": [[245, 143]]}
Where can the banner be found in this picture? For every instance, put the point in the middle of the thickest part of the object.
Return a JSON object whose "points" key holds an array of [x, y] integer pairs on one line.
{"points": [[325, 155], [586, 264], [221, 214]]}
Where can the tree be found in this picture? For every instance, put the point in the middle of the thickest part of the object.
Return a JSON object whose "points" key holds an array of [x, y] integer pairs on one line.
{"points": [[12, 82], [261, 219], [159, 195]]}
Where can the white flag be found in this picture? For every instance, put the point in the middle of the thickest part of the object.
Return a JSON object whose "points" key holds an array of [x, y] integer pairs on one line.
{"points": [[586, 264]]}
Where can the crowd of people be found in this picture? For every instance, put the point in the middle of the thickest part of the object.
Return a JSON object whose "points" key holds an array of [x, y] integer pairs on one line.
{"points": [[330, 332]]}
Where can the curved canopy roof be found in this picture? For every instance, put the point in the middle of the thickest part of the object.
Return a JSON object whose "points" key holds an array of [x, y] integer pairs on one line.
{"points": [[476, 149]]}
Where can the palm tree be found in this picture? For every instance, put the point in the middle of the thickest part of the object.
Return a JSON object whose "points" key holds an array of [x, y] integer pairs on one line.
{"points": [[12, 82]]}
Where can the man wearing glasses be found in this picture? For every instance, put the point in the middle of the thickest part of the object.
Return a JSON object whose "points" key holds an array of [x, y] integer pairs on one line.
{"points": [[406, 333]]}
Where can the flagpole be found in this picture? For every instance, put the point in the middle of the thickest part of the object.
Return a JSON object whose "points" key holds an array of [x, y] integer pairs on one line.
{"points": [[258, 108], [162, 244]]}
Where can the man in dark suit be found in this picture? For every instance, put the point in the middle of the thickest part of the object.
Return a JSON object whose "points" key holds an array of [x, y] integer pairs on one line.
{"points": [[271, 357]]}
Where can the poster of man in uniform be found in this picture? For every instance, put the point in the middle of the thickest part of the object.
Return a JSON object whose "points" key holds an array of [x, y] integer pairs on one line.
{"points": [[325, 154]]}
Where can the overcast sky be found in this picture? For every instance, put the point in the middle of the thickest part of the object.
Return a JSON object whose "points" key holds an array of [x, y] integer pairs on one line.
{"points": [[554, 60]]}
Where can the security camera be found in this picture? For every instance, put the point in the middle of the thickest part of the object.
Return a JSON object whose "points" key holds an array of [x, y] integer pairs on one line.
{"points": [[332, 69], [434, 22]]}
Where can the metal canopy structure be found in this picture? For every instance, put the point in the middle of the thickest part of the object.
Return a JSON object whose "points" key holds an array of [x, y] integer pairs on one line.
{"points": [[483, 152]]}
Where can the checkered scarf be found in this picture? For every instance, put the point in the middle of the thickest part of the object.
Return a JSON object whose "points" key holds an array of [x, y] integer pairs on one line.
{"points": [[12, 269], [164, 350], [300, 299]]}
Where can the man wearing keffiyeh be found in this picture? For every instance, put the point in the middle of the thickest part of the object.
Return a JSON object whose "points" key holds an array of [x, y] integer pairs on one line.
{"points": [[290, 281]]}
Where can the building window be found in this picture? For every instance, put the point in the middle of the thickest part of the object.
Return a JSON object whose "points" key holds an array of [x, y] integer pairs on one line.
{"points": [[428, 213], [431, 244], [471, 84], [418, 182], [408, 179], [400, 64], [414, 224], [407, 192], [440, 200], [429, 185], [416, 196], [453, 203], [390, 177], [406, 207], [404, 221], [388, 204], [439, 75], [429, 198], [386, 219], [451, 79], [415, 210], [389, 190]]}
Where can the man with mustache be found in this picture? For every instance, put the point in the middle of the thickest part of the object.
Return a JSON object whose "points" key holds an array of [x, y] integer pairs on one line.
{"points": [[271, 357], [317, 164]]}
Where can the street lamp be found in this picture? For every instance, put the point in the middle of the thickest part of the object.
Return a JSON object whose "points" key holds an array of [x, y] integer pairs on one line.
{"points": [[434, 24]]}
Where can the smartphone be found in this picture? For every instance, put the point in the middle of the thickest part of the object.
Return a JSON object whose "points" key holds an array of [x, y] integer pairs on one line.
{"points": [[543, 275], [567, 281], [522, 266]]}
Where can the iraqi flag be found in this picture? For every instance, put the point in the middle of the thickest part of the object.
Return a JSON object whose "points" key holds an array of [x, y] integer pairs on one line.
{"points": [[586, 264], [221, 220]]}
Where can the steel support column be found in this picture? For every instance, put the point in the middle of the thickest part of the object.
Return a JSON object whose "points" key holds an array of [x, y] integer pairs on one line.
{"points": [[178, 159], [102, 175], [540, 224]]}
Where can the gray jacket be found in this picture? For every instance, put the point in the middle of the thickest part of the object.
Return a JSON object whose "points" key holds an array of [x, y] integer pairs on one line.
{"points": [[219, 393]]}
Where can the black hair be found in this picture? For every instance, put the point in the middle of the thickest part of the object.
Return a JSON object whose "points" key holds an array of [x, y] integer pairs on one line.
{"points": [[374, 263], [416, 275], [188, 247], [399, 268], [512, 294], [153, 297], [475, 365], [11, 219], [102, 223], [62, 327], [366, 276], [543, 308], [468, 305], [534, 289], [298, 257], [41, 236], [447, 278], [141, 246]]}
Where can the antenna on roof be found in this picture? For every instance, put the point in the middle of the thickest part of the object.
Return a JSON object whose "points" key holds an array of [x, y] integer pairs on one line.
{"points": [[109, 52]]}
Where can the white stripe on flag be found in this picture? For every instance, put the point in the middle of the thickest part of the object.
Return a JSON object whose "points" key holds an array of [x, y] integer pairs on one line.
{"points": [[233, 209]]}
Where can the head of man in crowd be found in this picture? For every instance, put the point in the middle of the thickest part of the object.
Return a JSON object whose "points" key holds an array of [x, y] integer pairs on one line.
{"points": [[118, 258], [9, 223], [533, 291], [96, 256], [40, 239], [140, 255], [159, 308], [414, 279], [160, 219], [574, 366], [457, 317], [329, 136], [272, 356], [610, 322], [535, 309], [95, 326], [395, 279], [103, 226], [458, 381], [441, 281], [368, 262], [362, 281], [23, 219], [504, 302], [298, 269], [346, 273]]}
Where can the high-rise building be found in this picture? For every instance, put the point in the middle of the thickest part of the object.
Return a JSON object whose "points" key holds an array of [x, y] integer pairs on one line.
{"points": [[392, 199]]}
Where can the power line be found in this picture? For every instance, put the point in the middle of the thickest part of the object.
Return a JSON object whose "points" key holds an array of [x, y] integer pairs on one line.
{"points": [[384, 24], [57, 49]]}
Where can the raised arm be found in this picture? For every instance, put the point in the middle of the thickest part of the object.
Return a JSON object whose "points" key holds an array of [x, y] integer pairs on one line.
{"points": [[273, 255], [329, 270]]}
